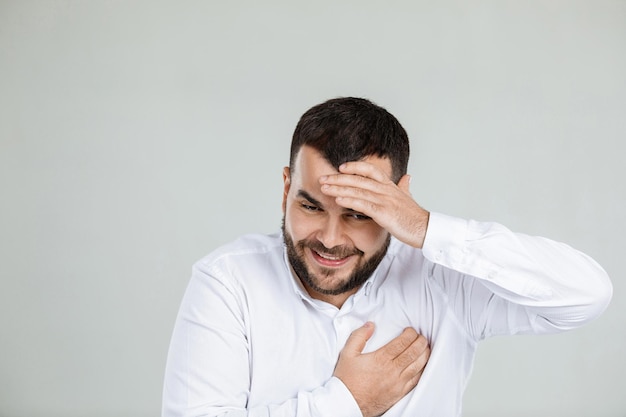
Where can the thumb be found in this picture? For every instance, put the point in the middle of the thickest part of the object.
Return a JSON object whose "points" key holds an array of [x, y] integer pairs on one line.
{"points": [[357, 340], [405, 184]]}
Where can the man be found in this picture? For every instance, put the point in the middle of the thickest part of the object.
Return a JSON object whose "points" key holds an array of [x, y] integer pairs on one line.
{"points": [[367, 304]]}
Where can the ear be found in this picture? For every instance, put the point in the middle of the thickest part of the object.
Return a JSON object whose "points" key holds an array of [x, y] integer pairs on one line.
{"points": [[286, 186]]}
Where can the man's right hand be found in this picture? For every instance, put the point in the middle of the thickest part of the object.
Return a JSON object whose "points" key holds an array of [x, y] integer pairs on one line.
{"points": [[379, 379]]}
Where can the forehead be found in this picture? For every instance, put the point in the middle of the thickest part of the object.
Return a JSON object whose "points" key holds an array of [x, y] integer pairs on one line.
{"points": [[310, 165]]}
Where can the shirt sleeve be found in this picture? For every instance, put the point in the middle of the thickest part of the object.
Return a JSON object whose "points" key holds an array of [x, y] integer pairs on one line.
{"points": [[502, 282], [208, 369]]}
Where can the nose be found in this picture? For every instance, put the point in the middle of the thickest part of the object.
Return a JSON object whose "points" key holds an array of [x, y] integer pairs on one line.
{"points": [[332, 232]]}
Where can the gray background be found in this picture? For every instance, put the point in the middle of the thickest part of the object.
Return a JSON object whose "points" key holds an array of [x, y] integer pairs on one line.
{"points": [[137, 136]]}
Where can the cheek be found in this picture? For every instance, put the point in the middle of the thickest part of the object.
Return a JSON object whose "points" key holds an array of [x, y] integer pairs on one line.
{"points": [[370, 239], [297, 225]]}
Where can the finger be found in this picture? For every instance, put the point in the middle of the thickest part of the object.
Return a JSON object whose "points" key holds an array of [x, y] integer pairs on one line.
{"points": [[359, 205], [357, 340], [416, 368], [415, 356], [364, 169], [355, 191], [351, 181], [411, 382], [398, 345], [412, 353], [355, 198], [413, 373], [421, 344]]}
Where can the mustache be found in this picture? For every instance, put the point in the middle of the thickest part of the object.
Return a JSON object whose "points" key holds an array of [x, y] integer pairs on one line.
{"points": [[337, 251]]}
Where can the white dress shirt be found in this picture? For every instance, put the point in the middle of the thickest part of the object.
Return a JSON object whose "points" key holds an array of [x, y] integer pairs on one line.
{"points": [[250, 341]]}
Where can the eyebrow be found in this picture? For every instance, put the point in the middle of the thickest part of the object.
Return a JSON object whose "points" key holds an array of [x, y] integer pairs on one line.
{"points": [[307, 196]]}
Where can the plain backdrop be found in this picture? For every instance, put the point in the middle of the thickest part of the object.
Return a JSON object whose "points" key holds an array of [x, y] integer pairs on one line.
{"points": [[137, 136]]}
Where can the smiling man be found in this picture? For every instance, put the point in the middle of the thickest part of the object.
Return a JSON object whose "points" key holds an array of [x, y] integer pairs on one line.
{"points": [[337, 248], [366, 304]]}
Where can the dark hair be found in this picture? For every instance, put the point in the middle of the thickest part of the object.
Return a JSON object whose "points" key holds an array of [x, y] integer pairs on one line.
{"points": [[349, 129]]}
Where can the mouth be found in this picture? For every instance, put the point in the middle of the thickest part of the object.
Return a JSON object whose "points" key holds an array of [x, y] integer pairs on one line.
{"points": [[330, 261]]}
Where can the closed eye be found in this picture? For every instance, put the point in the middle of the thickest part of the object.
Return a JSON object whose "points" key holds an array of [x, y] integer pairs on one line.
{"points": [[358, 216], [308, 203], [309, 207]]}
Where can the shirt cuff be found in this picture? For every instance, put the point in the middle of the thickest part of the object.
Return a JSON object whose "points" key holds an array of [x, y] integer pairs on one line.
{"points": [[445, 239], [334, 399]]}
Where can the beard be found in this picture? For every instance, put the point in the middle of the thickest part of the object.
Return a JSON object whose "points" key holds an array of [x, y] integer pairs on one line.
{"points": [[360, 274]]}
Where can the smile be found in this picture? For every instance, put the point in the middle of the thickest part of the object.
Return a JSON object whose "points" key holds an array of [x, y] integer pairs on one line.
{"points": [[328, 260]]}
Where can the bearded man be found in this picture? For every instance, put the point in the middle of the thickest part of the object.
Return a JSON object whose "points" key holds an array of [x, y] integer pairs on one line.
{"points": [[366, 304]]}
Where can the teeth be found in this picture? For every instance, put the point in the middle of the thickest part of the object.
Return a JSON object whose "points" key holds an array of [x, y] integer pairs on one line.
{"points": [[329, 257]]}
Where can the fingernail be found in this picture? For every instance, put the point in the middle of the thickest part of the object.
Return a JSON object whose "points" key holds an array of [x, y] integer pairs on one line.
{"points": [[323, 178]]}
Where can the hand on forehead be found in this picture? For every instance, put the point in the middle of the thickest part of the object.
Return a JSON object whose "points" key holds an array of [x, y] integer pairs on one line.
{"points": [[377, 169]]}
